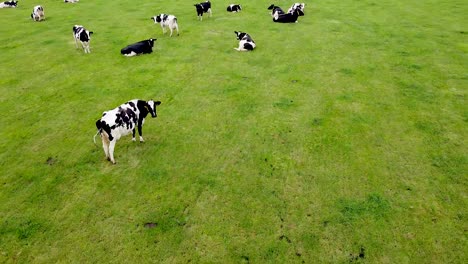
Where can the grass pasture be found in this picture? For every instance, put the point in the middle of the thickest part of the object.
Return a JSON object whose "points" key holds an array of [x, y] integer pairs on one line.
{"points": [[341, 138]]}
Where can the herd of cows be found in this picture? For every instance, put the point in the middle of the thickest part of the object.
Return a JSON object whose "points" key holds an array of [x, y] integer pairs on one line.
{"points": [[128, 117]]}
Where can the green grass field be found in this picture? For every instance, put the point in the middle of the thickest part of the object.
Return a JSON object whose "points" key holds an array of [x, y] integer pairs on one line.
{"points": [[341, 138]]}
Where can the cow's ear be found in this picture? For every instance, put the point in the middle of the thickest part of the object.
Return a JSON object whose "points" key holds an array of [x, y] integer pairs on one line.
{"points": [[157, 103], [91, 32]]}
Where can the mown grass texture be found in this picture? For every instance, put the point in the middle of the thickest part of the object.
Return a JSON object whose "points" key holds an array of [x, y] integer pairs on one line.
{"points": [[341, 138]]}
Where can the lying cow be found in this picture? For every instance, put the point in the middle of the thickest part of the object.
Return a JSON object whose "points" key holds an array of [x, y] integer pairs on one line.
{"points": [[38, 13], [234, 8], [83, 36], [289, 17], [122, 120], [295, 6], [246, 43], [142, 47], [9, 4], [169, 21], [203, 8], [275, 10]]}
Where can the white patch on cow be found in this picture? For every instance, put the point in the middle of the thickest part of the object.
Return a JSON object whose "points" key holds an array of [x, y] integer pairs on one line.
{"points": [[132, 53], [299, 6]]}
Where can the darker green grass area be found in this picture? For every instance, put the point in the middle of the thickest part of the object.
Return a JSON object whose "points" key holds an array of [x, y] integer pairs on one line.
{"points": [[339, 139]]}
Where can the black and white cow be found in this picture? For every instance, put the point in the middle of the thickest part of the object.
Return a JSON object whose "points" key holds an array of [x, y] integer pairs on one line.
{"points": [[234, 8], [165, 20], [295, 6], [38, 13], [275, 10], [83, 36], [71, 1], [122, 121], [289, 17], [142, 47], [9, 4], [246, 43], [203, 8]]}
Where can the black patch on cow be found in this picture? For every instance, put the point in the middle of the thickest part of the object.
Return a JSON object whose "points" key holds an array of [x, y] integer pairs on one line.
{"points": [[164, 17], [248, 46], [101, 125]]}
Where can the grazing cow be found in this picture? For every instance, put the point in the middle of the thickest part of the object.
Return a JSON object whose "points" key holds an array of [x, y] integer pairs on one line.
{"points": [[295, 6], [289, 17], [234, 8], [71, 1], [9, 4], [203, 8], [142, 47], [246, 43], [275, 10], [122, 120], [38, 13], [82, 35], [169, 21]]}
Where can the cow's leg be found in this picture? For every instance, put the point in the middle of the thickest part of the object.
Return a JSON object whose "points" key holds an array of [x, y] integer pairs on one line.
{"points": [[171, 31], [111, 150], [105, 144], [133, 133], [177, 28], [76, 42], [163, 29], [140, 131], [83, 46], [209, 11]]}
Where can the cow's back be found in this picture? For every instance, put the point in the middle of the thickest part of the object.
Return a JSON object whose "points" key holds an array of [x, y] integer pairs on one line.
{"points": [[120, 121]]}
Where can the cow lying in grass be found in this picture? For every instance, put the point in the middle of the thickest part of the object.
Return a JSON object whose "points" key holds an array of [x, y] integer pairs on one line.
{"points": [[169, 21], [289, 17], [38, 13], [246, 43], [234, 8], [142, 47], [122, 121], [9, 4]]}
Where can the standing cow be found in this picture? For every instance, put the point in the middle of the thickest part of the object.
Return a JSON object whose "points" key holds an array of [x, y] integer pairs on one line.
{"points": [[122, 120], [83, 36], [203, 8], [38, 13], [166, 20]]}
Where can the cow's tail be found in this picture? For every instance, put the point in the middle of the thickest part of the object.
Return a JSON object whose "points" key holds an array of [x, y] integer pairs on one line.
{"points": [[99, 130]]}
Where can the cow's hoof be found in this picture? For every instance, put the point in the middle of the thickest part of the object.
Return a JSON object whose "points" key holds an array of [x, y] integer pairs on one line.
{"points": [[133, 139]]}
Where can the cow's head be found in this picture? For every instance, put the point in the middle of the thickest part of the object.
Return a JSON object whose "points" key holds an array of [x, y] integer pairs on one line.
{"points": [[240, 35], [271, 7], [151, 105], [156, 19]]}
